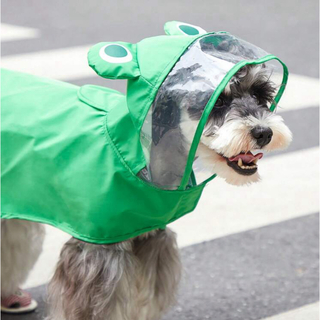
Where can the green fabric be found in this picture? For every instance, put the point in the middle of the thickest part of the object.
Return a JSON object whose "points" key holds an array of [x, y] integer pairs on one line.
{"points": [[70, 155], [114, 68], [153, 58]]}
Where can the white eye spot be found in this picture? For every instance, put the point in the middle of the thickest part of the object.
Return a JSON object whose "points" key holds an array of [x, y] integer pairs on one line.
{"points": [[190, 30], [115, 53]]}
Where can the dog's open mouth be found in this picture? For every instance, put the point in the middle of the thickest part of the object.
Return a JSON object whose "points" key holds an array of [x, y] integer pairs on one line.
{"points": [[244, 163]]}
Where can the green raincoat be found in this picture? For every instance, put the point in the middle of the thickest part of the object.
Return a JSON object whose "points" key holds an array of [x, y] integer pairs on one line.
{"points": [[79, 158]]}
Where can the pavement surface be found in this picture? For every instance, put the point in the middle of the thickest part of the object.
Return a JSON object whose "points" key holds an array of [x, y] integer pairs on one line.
{"points": [[248, 253]]}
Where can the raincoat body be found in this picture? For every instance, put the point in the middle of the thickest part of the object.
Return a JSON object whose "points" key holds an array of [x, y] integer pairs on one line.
{"points": [[83, 159], [62, 163]]}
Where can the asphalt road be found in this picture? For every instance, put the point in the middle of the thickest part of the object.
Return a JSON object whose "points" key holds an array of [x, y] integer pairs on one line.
{"points": [[256, 273], [287, 29]]}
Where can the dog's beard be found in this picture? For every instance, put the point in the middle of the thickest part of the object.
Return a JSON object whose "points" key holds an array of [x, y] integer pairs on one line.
{"points": [[243, 106]]}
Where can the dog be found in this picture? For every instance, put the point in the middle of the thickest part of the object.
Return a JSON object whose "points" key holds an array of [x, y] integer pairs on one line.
{"points": [[138, 279]]}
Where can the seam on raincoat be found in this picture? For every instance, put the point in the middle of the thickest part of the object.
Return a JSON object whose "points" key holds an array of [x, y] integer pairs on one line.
{"points": [[151, 88], [117, 152], [91, 102], [127, 167]]}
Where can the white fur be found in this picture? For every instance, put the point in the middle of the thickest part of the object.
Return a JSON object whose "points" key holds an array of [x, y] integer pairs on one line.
{"points": [[282, 136], [21, 246], [231, 139], [234, 136], [214, 162]]}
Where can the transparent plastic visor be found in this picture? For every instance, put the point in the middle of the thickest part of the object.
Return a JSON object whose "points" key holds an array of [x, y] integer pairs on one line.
{"points": [[182, 107]]}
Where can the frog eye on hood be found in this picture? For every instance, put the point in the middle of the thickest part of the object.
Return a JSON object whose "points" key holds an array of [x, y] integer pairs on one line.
{"points": [[177, 28], [115, 53], [189, 29], [114, 60]]}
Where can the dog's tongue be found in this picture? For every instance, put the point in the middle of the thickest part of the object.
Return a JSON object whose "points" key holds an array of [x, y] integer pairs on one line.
{"points": [[246, 157]]}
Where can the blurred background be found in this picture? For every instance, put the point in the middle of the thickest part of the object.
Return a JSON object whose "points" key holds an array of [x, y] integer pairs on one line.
{"points": [[249, 252]]}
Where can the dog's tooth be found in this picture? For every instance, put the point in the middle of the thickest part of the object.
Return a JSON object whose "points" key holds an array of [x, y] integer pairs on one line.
{"points": [[240, 162], [255, 161]]}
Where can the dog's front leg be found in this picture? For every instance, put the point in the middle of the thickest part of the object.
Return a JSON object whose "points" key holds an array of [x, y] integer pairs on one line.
{"points": [[160, 272], [94, 282], [21, 246]]}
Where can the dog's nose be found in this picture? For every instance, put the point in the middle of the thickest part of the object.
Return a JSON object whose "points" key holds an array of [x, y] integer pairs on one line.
{"points": [[263, 135]]}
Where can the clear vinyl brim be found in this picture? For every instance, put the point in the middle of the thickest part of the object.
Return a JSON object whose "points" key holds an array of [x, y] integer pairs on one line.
{"points": [[194, 84], [210, 105]]}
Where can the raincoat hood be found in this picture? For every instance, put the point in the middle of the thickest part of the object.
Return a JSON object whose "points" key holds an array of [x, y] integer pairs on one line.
{"points": [[106, 167]]}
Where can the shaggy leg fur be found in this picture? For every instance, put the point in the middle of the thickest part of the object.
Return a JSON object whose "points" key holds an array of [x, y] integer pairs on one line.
{"points": [[21, 246], [131, 280], [160, 271], [94, 282]]}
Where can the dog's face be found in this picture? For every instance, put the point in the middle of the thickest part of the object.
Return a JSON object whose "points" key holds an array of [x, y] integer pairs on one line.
{"points": [[239, 127]]}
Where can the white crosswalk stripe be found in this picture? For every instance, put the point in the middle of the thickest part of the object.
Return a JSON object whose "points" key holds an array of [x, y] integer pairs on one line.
{"points": [[71, 64], [12, 33], [309, 312], [62, 64]]}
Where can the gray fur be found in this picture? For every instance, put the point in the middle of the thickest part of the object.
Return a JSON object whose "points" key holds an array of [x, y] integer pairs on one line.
{"points": [[94, 282], [249, 93], [159, 273], [131, 280]]}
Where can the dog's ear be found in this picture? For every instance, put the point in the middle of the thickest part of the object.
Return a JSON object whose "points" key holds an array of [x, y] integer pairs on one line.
{"points": [[177, 28], [114, 60]]}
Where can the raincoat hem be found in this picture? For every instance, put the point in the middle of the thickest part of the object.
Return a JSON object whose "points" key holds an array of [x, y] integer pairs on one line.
{"points": [[85, 238]]}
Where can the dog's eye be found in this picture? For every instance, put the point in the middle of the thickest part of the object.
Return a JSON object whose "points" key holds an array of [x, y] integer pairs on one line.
{"points": [[219, 102], [259, 99]]}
